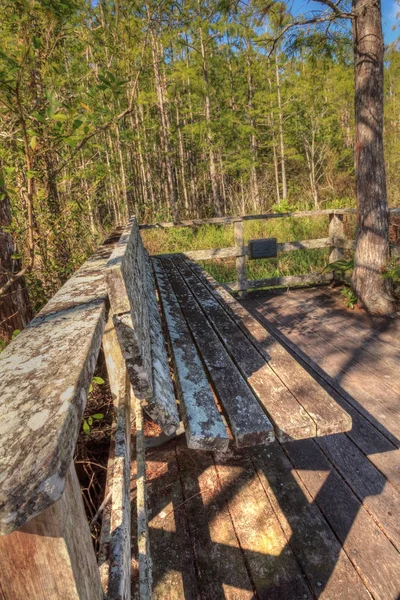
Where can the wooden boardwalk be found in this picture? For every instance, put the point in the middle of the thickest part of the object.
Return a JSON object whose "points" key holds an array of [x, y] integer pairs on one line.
{"points": [[302, 519]]}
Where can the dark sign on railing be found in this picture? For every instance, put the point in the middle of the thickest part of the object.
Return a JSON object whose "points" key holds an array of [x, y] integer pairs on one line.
{"points": [[266, 248]]}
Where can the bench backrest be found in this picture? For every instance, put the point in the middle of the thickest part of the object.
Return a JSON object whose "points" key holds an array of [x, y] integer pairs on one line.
{"points": [[45, 374]]}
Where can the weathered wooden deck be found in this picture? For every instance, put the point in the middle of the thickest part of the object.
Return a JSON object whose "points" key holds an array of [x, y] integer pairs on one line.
{"points": [[308, 518]]}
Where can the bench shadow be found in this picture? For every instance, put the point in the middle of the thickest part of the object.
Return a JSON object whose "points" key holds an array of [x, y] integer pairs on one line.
{"points": [[202, 550]]}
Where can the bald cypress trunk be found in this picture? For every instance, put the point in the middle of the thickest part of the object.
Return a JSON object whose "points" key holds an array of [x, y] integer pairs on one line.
{"points": [[372, 250], [15, 308]]}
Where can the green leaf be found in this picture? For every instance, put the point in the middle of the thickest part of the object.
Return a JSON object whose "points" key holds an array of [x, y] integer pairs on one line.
{"points": [[16, 256], [90, 388], [33, 142], [61, 117], [98, 416], [30, 174], [15, 333], [90, 421], [37, 43], [86, 427], [98, 380]]}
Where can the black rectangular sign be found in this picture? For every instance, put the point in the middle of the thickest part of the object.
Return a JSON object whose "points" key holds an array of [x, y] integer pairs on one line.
{"points": [[263, 248]]}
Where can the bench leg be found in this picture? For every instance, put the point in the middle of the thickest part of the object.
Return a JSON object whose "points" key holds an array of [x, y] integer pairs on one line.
{"points": [[52, 555]]}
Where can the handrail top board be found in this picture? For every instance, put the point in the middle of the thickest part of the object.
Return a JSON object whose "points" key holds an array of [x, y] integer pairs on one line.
{"points": [[260, 217], [45, 374]]}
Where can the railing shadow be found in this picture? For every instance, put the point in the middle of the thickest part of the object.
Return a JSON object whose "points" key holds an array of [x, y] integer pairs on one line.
{"points": [[315, 518]]}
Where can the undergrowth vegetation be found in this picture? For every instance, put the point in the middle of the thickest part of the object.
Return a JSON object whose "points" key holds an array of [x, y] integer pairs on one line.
{"points": [[299, 262]]}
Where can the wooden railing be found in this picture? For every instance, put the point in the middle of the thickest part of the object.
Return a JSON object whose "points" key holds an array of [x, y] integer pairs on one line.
{"points": [[336, 241]]}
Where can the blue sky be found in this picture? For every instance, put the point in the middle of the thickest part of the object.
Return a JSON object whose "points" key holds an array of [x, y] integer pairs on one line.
{"points": [[391, 24]]}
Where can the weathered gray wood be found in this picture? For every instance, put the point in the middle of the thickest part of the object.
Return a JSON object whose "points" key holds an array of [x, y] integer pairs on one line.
{"points": [[203, 424], [143, 537], [323, 412], [312, 352], [362, 539], [116, 541], [162, 407], [369, 485], [138, 325], [289, 418], [126, 280], [289, 280], [221, 567], [240, 256], [336, 230], [52, 556], [174, 571], [244, 251], [380, 399], [119, 581], [273, 567], [133, 358], [328, 569], [248, 422], [45, 374], [260, 217]]}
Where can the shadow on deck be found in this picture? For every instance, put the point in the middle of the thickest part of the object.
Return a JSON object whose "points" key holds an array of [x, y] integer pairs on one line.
{"points": [[304, 519]]}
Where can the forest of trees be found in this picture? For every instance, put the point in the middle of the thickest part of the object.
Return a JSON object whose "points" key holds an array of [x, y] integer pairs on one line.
{"points": [[168, 110]]}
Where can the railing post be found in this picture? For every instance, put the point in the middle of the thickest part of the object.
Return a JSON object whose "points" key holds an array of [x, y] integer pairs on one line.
{"points": [[52, 555], [241, 276], [336, 231]]}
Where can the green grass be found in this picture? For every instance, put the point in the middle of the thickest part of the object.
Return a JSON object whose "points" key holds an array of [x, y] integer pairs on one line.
{"points": [[299, 262]]}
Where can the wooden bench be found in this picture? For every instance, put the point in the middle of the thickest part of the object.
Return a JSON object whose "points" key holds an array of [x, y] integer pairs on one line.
{"points": [[234, 381]]}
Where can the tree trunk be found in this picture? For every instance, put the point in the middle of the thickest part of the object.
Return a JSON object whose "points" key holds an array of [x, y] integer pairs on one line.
{"points": [[372, 249], [15, 308], [280, 123]]}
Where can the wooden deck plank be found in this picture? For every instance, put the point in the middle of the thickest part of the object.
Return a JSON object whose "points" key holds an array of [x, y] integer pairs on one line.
{"points": [[203, 424], [367, 433], [384, 399], [174, 575], [247, 420], [274, 569], [324, 411], [289, 418], [380, 364], [369, 485], [374, 557], [329, 301], [221, 568], [374, 410], [386, 328], [326, 566]]}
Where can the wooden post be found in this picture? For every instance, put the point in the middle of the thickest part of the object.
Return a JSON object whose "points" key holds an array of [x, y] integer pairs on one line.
{"points": [[52, 555], [336, 230], [241, 276], [116, 573]]}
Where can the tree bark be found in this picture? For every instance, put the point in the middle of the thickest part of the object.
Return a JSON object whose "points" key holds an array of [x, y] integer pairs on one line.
{"points": [[15, 308], [372, 249]]}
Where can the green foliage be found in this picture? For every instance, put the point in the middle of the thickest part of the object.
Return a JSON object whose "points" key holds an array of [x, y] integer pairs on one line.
{"points": [[393, 272], [87, 424], [350, 299], [340, 266]]}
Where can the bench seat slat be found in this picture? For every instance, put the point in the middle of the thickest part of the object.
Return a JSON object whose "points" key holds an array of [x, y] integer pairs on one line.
{"points": [[247, 420], [203, 424], [162, 407], [289, 418], [138, 325], [45, 374], [322, 408]]}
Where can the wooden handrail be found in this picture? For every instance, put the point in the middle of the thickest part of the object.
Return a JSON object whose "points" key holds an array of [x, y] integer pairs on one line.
{"points": [[336, 241], [260, 217]]}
